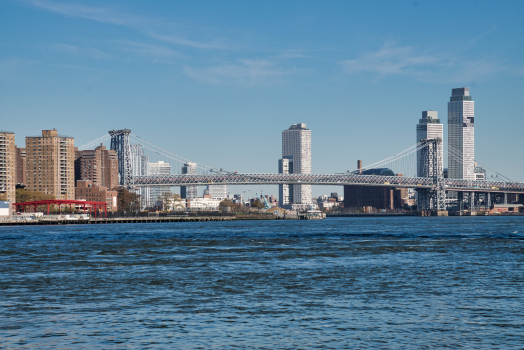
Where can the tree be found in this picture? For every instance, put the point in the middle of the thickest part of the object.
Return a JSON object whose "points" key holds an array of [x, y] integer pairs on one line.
{"points": [[171, 201], [335, 209], [31, 196], [257, 204], [166, 200], [127, 200], [226, 203]]}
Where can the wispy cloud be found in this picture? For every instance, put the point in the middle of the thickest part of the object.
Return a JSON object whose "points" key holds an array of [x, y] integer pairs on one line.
{"points": [[190, 43], [78, 51], [156, 28], [389, 60], [99, 14], [10, 66], [246, 73], [286, 55], [423, 65], [149, 50]]}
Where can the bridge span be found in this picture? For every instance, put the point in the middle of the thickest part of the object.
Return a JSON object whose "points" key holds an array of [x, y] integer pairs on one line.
{"points": [[326, 179]]}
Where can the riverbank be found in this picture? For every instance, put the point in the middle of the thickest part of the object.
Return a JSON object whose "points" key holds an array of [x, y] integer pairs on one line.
{"points": [[131, 220], [358, 215], [136, 220]]}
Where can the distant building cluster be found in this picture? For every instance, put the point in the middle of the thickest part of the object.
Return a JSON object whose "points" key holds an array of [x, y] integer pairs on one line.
{"points": [[52, 165]]}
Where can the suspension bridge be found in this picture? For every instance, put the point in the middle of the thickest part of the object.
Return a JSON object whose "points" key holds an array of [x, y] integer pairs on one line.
{"points": [[431, 187]]}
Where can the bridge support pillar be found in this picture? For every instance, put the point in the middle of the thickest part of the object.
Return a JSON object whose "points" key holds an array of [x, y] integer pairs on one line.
{"points": [[488, 200], [505, 198], [474, 201]]}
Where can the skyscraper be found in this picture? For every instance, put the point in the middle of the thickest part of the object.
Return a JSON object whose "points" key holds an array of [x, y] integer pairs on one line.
{"points": [[429, 127], [217, 191], [7, 166], [189, 192], [20, 166], [461, 135], [296, 146], [285, 192], [99, 165], [157, 191], [140, 166], [50, 164]]}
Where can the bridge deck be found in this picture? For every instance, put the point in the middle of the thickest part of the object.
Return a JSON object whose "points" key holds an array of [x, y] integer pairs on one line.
{"points": [[325, 179]]}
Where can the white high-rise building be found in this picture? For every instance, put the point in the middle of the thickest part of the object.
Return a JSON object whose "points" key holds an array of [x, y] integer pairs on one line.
{"points": [[157, 191], [285, 192], [428, 128], [217, 191], [461, 135], [189, 192], [140, 166], [296, 157]]}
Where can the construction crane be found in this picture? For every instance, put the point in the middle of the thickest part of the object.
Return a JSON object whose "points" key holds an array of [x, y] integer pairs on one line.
{"points": [[264, 200]]}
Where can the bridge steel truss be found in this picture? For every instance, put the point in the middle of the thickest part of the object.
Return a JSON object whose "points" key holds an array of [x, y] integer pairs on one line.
{"points": [[431, 189], [327, 179], [120, 144], [435, 197]]}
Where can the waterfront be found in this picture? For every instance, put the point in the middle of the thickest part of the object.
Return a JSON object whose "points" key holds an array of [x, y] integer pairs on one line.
{"points": [[391, 283]]}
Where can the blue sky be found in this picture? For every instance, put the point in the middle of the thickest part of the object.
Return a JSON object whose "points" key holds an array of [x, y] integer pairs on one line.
{"points": [[217, 81]]}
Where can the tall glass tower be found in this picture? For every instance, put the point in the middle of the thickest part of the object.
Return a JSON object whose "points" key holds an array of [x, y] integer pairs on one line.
{"points": [[461, 135], [296, 148], [428, 128], [189, 192]]}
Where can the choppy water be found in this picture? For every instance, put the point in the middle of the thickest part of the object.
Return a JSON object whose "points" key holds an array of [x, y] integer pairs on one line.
{"points": [[348, 283]]}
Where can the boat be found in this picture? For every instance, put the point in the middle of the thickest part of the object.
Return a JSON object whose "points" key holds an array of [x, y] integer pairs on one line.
{"points": [[312, 213]]}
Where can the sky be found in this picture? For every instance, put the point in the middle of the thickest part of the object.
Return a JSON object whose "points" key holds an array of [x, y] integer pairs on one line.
{"points": [[218, 81]]}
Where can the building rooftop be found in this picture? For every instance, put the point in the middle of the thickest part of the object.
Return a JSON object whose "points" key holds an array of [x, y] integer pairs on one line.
{"points": [[463, 91], [299, 126]]}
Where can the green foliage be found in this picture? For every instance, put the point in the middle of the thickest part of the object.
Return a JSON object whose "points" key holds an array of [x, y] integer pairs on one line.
{"points": [[171, 201], [127, 201], [335, 209], [257, 204], [226, 203], [31, 196]]}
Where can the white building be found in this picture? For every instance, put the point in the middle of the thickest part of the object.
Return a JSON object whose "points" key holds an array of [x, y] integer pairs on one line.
{"points": [[217, 191], [174, 205], [285, 192], [189, 192], [428, 128], [140, 166], [461, 135], [203, 203], [157, 191], [296, 157]]}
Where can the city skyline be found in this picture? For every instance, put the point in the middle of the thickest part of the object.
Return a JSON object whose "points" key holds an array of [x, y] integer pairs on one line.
{"points": [[202, 81]]}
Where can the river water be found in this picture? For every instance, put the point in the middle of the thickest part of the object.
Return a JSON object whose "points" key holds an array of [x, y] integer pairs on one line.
{"points": [[339, 283]]}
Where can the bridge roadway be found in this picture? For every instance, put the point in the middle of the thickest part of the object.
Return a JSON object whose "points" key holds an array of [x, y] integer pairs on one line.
{"points": [[327, 179]]}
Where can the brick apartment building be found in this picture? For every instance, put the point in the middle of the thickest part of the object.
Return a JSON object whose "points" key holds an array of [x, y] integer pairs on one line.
{"points": [[86, 190], [99, 166], [7, 166], [21, 166], [50, 164]]}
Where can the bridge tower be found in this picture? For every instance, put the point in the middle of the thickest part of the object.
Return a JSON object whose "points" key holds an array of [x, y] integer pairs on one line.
{"points": [[120, 144], [431, 154]]}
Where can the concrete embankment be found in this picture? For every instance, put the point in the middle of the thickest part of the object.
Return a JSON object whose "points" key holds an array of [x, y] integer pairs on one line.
{"points": [[131, 220], [363, 215]]}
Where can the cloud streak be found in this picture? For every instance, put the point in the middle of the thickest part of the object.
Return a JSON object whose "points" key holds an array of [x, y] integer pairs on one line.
{"points": [[423, 66], [77, 51], [248, 73], [389, 60], [139, 23]]}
